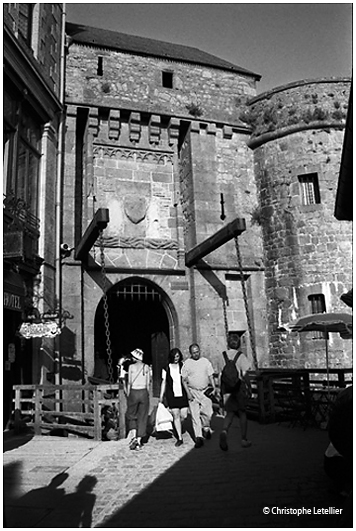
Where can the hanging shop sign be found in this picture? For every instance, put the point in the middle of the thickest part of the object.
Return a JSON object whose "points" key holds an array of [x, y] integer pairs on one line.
{"points": [[46, 329]]}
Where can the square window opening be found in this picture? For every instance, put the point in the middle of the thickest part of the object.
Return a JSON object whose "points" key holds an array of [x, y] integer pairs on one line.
{"points": [[167, 79], [309, 188], [317, 303]]}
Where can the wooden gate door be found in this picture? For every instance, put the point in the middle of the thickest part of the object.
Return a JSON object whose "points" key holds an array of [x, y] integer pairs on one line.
{"points": [[160, 350]]}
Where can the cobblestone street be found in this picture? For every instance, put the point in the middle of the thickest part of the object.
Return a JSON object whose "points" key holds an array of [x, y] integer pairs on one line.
{"points": [[104, 484]]}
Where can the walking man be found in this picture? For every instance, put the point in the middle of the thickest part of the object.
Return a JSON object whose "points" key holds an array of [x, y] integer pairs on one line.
{"points": [[235, 402], [197, 374]]}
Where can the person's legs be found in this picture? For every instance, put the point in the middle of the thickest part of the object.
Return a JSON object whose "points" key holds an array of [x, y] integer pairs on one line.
{"points": [[131, 413], [229, 417], [194, 407], [177, 423], [206, 412], [142, 414], [183, 413], [229, 405], [243, 426]]}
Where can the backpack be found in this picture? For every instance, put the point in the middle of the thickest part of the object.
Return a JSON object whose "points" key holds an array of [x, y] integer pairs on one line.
{"points": [[230, 378]]}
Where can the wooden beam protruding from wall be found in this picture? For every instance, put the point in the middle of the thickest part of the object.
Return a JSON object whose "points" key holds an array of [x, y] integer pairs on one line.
{"points": [[235, 228], [98, 223]]}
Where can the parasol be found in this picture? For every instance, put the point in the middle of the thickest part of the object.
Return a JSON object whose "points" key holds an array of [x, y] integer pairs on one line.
{"points": [[340, 323]]}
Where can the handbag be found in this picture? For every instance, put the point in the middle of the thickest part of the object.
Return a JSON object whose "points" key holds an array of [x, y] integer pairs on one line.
{"points": [[164, 419], [209, 392]]}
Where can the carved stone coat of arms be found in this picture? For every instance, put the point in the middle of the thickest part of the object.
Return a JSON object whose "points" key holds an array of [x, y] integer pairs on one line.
{"points": [[135, 208]]}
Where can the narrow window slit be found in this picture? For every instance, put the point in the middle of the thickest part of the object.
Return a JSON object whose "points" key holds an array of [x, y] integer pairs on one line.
{"points": [[100, 69]]}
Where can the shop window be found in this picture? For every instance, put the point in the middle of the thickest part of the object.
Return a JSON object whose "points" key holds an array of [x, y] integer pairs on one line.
{"points": [[309, 188], [167, 79]]}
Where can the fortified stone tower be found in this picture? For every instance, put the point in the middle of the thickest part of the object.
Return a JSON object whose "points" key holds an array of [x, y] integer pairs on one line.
{"points": [[154, 135], [297, 134]]}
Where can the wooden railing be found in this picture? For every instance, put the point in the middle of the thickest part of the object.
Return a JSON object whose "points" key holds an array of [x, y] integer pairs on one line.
{"points": [[277, 394], [75, 409], [294, 394]]}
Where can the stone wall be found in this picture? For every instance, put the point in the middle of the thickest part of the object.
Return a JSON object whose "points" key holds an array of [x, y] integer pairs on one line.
{"points": [[307, 251], [222, 164], [134, 82], [161, 165], [163, 198]]}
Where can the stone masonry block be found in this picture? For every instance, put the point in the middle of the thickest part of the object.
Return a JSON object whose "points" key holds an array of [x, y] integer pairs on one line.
{"points": [[173, 130], [114, 124], [154, 129], [172, 223], [227, 131], [211, 129], [135, 127], [162, 177], [141, 175], [168, 262], [119, 174]]}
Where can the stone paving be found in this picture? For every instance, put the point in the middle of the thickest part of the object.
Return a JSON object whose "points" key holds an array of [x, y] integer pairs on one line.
{"points": [[70, 482]]}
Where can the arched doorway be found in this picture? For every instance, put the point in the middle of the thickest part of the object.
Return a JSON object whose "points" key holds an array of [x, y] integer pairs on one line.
{"points": [[137, 319]]}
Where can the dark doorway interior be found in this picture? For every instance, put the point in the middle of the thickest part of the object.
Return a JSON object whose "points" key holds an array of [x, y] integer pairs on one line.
{"points": [[17, 360], [137, 319]]}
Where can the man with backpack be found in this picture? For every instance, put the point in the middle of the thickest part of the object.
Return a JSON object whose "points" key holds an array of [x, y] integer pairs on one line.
{"points": [[235, 390]]}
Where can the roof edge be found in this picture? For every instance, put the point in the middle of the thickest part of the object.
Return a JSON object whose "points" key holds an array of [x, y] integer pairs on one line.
{"points": [[71, 28]]}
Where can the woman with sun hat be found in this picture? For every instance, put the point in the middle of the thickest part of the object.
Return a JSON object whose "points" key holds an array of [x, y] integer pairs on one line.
{"points": [[138, 385]]}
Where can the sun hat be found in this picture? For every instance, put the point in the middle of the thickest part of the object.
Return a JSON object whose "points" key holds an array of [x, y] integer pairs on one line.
{"points": [[137, 354]]}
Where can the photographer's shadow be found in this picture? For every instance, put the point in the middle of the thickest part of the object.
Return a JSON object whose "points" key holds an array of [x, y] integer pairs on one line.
{"points": [[48, 506], [76, 508]]}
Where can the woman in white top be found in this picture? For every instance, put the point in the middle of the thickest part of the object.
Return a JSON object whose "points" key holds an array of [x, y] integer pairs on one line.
{"points": [[138, 385], [172, 388]]}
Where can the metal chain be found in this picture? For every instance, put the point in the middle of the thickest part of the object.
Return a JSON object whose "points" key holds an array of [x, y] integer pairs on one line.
{"points": [[243, 285], [106, 309], [226, 324]]}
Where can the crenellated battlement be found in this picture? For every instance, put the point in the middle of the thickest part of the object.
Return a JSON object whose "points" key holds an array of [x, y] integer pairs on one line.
{"points": [[313, 104]]}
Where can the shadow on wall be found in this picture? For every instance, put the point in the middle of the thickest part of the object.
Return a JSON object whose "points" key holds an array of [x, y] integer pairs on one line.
{"points": [[67, 342], [71, 368], [212, 279]]}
